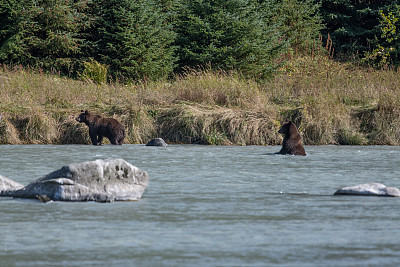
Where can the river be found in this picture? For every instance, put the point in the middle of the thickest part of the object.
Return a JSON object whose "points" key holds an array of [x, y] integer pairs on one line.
{"points": [[209, 206]]}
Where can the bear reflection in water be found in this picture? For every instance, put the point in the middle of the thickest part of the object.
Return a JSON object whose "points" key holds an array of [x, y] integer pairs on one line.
{"points": [[292, 143], [102, 127]]}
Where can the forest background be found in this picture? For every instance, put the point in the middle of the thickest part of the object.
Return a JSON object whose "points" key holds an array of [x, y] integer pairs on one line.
{"points": [[207, 72]]}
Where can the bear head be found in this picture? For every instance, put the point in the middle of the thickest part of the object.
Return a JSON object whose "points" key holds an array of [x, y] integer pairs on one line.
{"points": [[288, 129], [84, 117]]}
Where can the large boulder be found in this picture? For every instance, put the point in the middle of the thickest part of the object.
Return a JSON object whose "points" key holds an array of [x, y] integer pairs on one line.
{"points": [[370, 189], [7, 186], [99, 180], [157, 142]]}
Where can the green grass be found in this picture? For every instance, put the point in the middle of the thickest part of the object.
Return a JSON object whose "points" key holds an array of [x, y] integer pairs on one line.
{"points": [[330, 102]]}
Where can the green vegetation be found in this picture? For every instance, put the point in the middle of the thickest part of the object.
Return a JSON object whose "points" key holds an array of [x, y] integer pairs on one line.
{"points": [[153, 39], [229, 35], [203, 71], [387, 45]]}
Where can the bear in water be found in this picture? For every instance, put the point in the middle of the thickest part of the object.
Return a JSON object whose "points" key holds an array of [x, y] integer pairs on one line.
{"points": [[291, 140], [100, 127]]}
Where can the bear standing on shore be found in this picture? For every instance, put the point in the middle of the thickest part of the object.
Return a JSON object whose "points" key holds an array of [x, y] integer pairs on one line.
{"points": [[291, 140], [100, 127]]}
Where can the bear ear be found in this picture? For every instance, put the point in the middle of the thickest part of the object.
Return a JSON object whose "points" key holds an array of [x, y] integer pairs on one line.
{"points": [[86, 112], [82, 110], [290, 122]]}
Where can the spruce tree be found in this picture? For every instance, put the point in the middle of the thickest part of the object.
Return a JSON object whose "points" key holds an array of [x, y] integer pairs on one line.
{"points": [[300, 22], [352, 23], [134, 38], [10, 49], [42, 33], [228, 34]]}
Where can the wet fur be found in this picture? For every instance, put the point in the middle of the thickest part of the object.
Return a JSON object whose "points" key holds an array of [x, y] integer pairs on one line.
{"points": [[292, 143]]}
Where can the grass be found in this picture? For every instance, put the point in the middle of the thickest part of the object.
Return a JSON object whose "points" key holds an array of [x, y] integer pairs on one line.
{"points": [[330, 102]]}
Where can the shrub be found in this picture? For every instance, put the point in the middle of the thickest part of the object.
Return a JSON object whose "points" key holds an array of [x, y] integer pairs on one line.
{"points": [[94, 71], [387, 46]]}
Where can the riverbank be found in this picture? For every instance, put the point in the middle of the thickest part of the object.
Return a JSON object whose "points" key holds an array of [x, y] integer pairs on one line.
{"points": [[331, 102]]}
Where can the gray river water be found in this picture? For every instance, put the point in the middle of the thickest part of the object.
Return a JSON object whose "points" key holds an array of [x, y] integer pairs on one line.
{"points": [[209, 206]]}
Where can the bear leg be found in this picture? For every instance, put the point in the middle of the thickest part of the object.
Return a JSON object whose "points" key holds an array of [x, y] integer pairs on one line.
{"points": [[113, 141], [100, 140], [94, 140]]}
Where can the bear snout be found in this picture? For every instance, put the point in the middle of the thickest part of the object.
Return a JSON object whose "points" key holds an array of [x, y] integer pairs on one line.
{"points": [[282, 130]]}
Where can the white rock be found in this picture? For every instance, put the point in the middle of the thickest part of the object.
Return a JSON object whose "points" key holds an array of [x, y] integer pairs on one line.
{"points": [[99, 180], [369, 189], [7, 186]]}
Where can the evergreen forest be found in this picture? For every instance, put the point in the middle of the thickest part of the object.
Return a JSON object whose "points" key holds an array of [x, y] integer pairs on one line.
{"points": [[135, 40]]}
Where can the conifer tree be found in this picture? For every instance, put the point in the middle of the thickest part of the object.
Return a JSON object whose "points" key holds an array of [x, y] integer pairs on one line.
{"points": [[229, 34], [352, 23], [10, 49], [300, 22], [42, 33], [134, 38]]}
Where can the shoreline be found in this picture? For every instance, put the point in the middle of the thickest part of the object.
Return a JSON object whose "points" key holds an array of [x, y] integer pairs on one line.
{"points": [[184, 123]]}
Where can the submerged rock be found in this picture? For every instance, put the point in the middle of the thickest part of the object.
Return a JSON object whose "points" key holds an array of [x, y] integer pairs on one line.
{"points": [[157, 142], [370, 189], [99, 180], [7, 186]]}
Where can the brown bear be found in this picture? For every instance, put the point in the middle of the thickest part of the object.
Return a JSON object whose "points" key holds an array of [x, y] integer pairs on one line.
{"points": [[100, 127], [291, 140]]}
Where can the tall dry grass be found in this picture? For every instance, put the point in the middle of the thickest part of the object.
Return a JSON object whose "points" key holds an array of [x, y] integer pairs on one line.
{"points": [[331, 103], [204, 124]]}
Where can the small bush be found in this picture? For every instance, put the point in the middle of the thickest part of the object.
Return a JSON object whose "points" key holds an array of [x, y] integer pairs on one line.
{"points": [[350, 137], [94, 71]]}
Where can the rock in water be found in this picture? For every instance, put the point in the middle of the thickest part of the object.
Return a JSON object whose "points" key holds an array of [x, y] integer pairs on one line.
{"points": [[370, 189], [99, 180], [157, 142], [7, 186]]}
